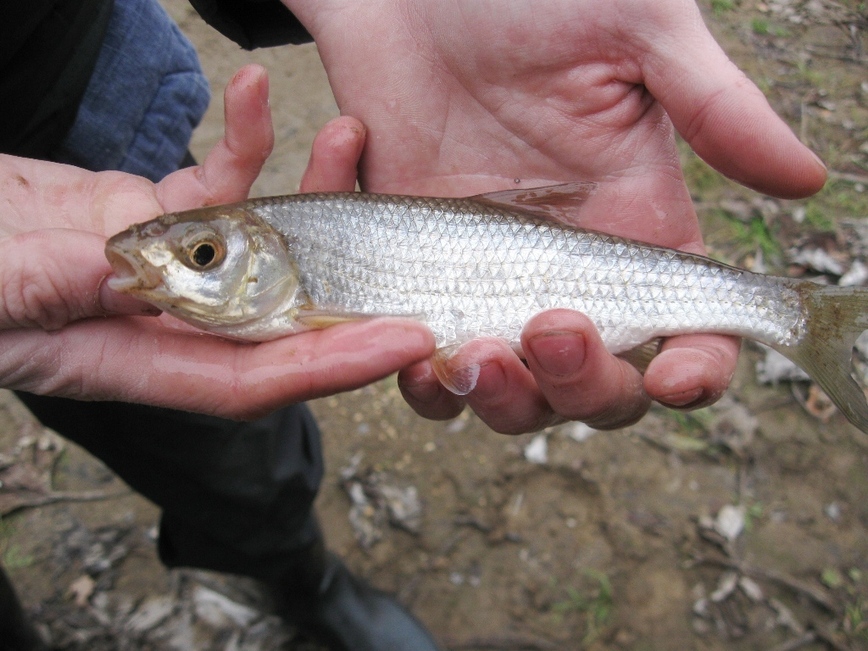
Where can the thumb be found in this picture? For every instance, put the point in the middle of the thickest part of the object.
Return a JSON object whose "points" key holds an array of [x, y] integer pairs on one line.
{"points": [[726, 118], [52, 277]]}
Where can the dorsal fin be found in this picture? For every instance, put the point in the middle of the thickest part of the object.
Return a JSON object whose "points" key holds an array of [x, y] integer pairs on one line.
{"points": [[559, 202]]}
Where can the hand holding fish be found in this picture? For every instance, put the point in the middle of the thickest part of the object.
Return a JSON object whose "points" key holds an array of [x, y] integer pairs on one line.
{"points": [[465, 97], [52, 268]]}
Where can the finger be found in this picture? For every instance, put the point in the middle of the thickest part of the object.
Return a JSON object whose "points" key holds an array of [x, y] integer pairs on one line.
{"points": [[325, 362], [577, 376], [180, 370], [334, 157], [52, 277], [692, 371], [724, 116], [506, 396], [232, 166], [423, 392]]}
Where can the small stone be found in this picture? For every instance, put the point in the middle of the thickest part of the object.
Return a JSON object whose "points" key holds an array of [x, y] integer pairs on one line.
{"points": [[730, 521], [537, 450]]}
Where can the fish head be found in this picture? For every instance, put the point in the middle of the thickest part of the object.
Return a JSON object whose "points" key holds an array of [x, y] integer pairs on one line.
{"points": [[223, 269]]}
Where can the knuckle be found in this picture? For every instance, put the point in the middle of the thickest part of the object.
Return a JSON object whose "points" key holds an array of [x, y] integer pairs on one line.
{"points": [[33, 296], [616, 403]]}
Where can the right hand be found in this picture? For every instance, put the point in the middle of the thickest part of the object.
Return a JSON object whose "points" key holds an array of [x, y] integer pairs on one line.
{"points": [[461, 97]]}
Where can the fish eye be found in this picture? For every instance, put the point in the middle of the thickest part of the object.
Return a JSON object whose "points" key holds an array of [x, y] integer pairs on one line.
{"points": [[202, 255]]}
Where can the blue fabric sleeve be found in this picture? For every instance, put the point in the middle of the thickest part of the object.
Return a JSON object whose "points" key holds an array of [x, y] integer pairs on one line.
{"points": [[146, 95]]}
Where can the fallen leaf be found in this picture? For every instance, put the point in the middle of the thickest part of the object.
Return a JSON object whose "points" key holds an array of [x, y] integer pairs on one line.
{"points": [[81, 590]]}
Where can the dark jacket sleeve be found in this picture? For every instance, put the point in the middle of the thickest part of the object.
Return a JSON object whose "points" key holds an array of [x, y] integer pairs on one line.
{"points": [[253, 23]]}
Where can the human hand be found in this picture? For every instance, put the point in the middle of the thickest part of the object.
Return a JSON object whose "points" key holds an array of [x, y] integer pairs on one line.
{"points": [[465, 97], [53, 340]]}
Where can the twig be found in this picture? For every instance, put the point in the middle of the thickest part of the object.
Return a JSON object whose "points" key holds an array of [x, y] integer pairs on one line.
{"points": [[830, 638], [797, 643], [847, 176], [814, 593], [473, 522], [849, 58], [62, 496]]}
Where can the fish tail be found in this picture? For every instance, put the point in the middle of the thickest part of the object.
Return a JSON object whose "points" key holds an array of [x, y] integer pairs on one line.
{"points": [[834, 317]]}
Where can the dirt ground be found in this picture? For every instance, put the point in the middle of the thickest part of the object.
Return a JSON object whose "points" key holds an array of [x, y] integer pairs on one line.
{"points": [[742, 526]]}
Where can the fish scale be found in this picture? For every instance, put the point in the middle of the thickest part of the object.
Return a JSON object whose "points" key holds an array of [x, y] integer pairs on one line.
{"points": [[439, 259], [473, 267]]}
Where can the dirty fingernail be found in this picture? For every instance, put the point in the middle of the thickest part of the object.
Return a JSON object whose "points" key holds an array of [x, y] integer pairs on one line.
{"points": [[425, 393], [683, 399]]}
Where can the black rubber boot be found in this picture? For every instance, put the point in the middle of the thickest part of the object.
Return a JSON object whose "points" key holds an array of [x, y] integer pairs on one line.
{"points": [[16, 633], [325, 600]]}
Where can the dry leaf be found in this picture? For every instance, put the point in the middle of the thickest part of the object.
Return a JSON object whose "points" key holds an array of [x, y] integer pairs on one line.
{"points": [[81, 590]]}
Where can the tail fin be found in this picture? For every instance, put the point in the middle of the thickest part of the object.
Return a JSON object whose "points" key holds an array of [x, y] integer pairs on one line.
{"points": [[836, 316]]}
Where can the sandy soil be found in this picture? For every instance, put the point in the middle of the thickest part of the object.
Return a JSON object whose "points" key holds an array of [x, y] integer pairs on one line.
{"points": [[739, 527]]}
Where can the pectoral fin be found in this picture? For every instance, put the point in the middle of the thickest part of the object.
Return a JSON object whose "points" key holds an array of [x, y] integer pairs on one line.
{"points": [[458, 379], [316, 319]]}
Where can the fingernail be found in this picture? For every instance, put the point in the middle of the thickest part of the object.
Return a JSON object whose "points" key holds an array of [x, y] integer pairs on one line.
{"points": [[264, 94], [491, 383], [683, 399], [559, 353], [425, 393], [818, 159], [424, 388]]}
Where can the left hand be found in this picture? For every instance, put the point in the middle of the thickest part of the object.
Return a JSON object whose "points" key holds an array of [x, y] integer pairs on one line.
{"points": [[63, 332]]}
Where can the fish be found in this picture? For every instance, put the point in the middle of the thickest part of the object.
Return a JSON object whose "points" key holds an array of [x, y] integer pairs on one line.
{"points": [[478, 266]]}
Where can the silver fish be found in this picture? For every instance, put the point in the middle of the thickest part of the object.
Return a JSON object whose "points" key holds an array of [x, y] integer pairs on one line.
{"points": [[474, 267]]}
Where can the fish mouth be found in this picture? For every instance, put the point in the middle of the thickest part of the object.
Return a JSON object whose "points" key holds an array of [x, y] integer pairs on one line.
{"points": [[130, 275]]}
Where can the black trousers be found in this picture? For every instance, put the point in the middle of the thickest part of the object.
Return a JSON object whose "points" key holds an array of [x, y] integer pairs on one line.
{"points": [[235, 497]]}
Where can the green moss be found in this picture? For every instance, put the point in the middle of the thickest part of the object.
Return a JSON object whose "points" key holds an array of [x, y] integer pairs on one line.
{"points": [[700, 177], [722, 6], [11, 554], [760, 26], [757, 235], [840, 199], [816, 218], [596, 604]]}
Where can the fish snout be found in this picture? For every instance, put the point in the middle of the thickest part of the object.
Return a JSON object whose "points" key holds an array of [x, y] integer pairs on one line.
{"points": [[131, 274]]}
